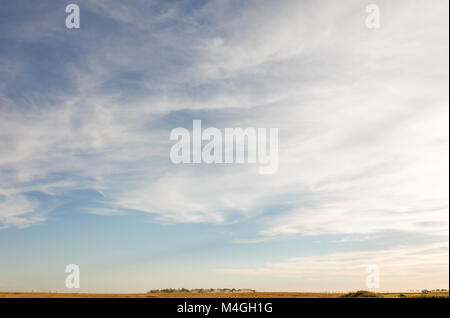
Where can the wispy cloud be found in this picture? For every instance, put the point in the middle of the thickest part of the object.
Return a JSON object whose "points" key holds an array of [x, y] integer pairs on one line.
{"points": [[401, 268], [18, 211], [363, 114]]}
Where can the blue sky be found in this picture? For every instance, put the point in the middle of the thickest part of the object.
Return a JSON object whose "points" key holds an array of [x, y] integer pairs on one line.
{"points": [[85, 119]]}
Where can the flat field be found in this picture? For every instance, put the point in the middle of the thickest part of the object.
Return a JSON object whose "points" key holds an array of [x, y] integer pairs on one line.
{"points": [[213, 295]]}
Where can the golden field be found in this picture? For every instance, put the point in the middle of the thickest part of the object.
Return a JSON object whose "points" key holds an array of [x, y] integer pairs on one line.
{"points": [[214, 295]]}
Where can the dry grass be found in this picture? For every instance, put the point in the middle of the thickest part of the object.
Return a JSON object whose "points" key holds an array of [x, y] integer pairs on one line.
{"points": [[417, 295], [363, 294], [174, 295], [215, 295]]}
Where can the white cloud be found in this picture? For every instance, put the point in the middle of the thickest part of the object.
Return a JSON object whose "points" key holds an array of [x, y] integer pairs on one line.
{"points": [[17, 210], [363, 116], [401, 268]]}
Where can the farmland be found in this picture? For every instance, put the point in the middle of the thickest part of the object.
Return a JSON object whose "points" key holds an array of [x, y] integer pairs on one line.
{"points": [[216, 295]]}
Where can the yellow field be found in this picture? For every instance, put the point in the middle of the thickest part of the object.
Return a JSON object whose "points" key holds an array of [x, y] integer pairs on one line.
{"points": [[211, 295]]}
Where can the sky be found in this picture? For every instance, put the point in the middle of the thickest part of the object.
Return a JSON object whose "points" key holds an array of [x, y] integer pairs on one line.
{"points": [[85, 119]]}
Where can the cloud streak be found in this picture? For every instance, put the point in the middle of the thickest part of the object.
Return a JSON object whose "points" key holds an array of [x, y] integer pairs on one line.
{"points": [[402, 268], [363, 115]]}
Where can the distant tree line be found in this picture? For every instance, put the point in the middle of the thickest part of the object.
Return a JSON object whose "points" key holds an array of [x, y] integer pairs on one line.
{"points": [[200, 290]]}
